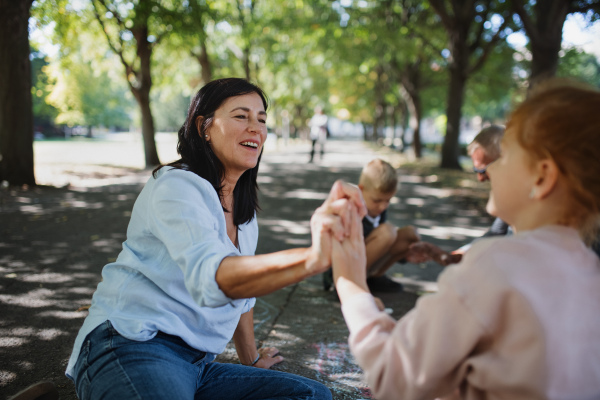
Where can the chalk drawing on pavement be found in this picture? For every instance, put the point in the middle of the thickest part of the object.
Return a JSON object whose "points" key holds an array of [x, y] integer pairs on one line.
{"points": [[335, 363]]}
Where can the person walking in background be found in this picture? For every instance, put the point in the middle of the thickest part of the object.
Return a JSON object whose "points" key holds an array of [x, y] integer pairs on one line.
{"points": [[318, 132], [517, 318], [185, 282]]}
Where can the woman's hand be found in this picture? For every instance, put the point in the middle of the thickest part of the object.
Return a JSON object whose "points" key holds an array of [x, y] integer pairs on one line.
{"points": [[349, 260], [269, 356], [332, 220], [344, 190]]}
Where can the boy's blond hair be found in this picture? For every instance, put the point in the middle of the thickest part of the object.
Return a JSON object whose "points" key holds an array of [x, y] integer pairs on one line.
{"points": [[379, 175]]}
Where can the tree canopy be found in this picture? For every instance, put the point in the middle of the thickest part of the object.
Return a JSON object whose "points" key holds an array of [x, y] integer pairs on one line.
{"points": [[384, 64]]}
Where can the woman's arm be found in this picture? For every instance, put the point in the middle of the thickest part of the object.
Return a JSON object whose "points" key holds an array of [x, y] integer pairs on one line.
{"points": [[252, 276], [245, 345]]}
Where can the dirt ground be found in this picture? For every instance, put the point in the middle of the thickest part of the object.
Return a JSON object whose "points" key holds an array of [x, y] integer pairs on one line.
{"points": [[54, 241]]}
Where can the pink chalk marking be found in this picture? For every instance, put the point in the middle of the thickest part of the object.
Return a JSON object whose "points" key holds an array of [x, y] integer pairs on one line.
{"points": [[338, 355]]}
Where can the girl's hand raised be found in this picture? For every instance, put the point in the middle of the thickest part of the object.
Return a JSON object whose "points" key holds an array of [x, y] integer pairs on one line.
{"points": [[332, 221], [349, 260]]}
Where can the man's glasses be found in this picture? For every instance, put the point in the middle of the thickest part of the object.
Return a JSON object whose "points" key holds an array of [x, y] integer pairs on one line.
{"points": [[480, 170]]}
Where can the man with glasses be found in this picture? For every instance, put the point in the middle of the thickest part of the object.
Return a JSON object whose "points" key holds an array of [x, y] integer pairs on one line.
{"points": [[484, 150]]}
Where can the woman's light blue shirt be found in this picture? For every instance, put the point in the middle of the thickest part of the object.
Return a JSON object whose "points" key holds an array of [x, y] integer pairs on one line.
{"points": [[164, 278]]}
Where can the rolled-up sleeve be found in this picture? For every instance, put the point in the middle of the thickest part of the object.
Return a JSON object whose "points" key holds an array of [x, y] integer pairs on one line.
{"points": [[184, 212]]}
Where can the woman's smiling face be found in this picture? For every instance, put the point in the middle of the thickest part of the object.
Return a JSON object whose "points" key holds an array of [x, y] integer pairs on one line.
{"points": [[238, 132]]}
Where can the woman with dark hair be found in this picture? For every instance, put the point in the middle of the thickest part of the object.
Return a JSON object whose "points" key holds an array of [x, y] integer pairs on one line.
{"points": [[184, 284]]}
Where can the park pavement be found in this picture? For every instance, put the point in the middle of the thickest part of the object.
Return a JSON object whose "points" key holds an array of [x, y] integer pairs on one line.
{"points": [[54, 242]]}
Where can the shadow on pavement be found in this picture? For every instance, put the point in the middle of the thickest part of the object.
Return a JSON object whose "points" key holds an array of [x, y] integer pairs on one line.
{"points": [[55, 241]]}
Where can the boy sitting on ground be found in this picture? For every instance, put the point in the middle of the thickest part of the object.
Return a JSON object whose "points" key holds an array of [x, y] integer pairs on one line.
{"points": [[385, 243]]}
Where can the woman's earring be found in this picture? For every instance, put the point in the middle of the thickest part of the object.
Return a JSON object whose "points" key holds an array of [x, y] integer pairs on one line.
{"points": [[206, 137]]}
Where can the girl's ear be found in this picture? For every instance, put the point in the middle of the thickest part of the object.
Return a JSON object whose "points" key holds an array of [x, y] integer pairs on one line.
{"points": [[547, 177]]}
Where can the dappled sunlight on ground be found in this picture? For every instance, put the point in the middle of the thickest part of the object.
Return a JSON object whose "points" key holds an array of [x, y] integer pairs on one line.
{"points": [[454, 232], [54, 242]]}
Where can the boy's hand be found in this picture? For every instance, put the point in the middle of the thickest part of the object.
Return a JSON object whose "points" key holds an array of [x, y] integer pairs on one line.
{"points": [[422, 251]]}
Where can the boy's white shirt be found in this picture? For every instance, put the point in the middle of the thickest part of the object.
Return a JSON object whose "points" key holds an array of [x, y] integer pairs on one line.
{"points": [[373, 220]]}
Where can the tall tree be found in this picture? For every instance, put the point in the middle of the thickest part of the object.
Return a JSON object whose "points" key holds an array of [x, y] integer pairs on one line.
{"points": [[471, 36], [16, 113], [133, 30], [190, 34], [417, 59], [543, 23], [404, 38], [578, 64], [44, 114], [85, 94], [245, 16]]}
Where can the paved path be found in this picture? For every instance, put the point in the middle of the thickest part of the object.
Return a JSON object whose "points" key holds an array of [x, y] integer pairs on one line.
{"points": [[54, 242]]}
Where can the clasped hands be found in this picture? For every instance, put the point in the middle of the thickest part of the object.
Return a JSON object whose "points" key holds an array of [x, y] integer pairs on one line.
{"points": [[337, 239]]}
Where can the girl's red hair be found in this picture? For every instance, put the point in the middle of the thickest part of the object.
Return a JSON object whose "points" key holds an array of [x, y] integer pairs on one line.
{"points": [[561, 120]]}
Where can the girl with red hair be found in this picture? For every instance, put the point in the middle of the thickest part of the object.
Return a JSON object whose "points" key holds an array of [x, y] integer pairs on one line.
{"points": [[518, 317]]}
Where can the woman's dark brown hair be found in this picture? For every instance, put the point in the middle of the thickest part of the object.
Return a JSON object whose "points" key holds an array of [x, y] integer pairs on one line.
{"points": [[197, 155]]}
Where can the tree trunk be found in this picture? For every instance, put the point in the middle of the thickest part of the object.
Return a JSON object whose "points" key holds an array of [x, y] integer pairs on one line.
{"points": [[16, 110], [456, 93], [411, 93], [379, 117], [142, 95], [392, 122], [544, 62], [546, 44], [365, 131], [405, 124], [412, 98], [150, 153], [450, 149], [378, 121], [204, 61], [417, 146], [247, 62]]}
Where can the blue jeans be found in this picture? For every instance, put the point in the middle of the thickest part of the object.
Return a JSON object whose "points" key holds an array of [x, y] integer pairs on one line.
{"points": [[113, 367]]}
